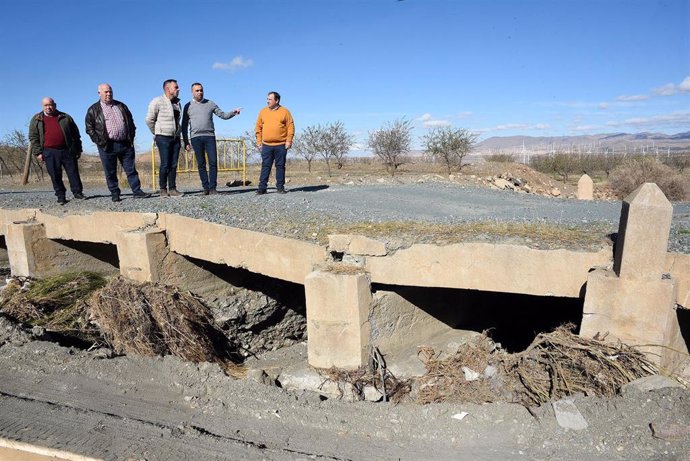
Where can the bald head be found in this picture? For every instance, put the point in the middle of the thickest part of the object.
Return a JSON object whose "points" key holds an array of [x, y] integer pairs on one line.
{"points": [[48, 105], [105, 92]]}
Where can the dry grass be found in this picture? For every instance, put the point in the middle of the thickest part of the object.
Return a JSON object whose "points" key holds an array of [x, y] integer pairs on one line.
{"points": [[536, 235], [56, 303]]}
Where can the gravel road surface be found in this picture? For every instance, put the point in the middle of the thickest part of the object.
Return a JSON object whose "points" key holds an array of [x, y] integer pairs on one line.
{"points": [[305, 209]]}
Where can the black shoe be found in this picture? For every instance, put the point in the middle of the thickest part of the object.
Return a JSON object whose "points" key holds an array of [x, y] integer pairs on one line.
{"points": [[260, 191], [115, 198], [141, 194], [62, 200], [281, 191], [79, 196]]}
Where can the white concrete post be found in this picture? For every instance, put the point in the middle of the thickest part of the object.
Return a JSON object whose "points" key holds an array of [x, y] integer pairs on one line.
{"points": [[338, 330]]}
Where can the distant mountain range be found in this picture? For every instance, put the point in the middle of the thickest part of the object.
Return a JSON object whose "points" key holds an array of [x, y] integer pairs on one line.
{"points": [[616, 142]]}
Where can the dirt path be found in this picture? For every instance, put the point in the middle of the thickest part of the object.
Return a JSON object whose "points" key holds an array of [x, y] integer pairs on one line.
{"points": [[165, 409]]}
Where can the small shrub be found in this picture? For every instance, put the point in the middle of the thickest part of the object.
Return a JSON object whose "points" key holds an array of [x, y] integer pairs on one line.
{"points": [[503, 158], [680, 161], [632, 173]]}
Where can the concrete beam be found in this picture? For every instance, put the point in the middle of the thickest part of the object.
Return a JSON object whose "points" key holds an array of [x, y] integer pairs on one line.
{"points": [[489, 267], [99, 227], [9, 216], [277, 257]]}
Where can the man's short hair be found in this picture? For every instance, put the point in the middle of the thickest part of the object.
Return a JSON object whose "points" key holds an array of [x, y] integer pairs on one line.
{"points": [[276, 95], [195, 84], [170, 80]]}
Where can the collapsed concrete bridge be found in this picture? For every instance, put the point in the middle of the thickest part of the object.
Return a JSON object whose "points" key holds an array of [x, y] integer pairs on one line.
{"points": [[638, 293]]}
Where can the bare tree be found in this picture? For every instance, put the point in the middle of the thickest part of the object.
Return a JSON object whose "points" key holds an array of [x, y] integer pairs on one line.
{"points": [[337, 141], [249, 139], [449, 145], [392, 143], [330, 142], [309, 144], [13, 150]]}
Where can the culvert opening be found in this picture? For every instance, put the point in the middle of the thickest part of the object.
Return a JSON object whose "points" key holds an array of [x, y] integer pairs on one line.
{"points": [[97, 257], [513, 320], [258, 312]]}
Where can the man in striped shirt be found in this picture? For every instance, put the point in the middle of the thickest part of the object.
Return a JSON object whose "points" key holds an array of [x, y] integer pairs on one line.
{"points": [[110, 126]]}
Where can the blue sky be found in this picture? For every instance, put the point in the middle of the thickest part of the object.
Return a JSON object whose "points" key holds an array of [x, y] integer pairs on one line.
{"points": [[499, 68]]}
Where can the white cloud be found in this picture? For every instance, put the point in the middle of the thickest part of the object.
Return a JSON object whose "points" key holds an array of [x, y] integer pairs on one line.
{"points": [[430, 122], [516, 126], [634, 97], [673, 119], [585, 128], [465, 114], [684, 86], [436, 123], [238, 62], [666, 90], [603, 105], [670, 89]]}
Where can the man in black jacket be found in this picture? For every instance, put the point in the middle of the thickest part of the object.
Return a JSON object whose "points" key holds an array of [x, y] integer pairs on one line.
{"points": [[110, 126], [55, 140]]}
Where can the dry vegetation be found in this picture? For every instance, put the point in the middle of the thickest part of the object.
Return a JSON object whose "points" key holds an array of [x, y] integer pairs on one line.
{"points": [[149, 319], [555, 365]]}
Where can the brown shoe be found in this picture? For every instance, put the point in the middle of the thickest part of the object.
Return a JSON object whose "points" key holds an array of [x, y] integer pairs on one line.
{"points": [[175, 193], [213, 191], [164, 193]]}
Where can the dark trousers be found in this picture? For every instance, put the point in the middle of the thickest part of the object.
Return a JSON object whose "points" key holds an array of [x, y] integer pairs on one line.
{"points": [[169, 152], [269, 156], [124, 153], [206, 146], [56, 160]]}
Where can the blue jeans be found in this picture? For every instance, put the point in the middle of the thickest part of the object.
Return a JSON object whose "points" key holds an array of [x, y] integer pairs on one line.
{"points": [[269, 156], [169, 152], [206, 145], [123, 152], [56, 160]]}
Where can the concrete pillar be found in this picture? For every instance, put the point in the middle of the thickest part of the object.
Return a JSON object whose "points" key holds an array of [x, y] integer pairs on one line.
{"points": [[643, 233], [634, 303], [23, 241], [585, 188], [141, 255], [338, 330]]}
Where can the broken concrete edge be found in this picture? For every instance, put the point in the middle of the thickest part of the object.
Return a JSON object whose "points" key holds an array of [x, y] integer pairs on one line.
{"points": [[357, 245]]}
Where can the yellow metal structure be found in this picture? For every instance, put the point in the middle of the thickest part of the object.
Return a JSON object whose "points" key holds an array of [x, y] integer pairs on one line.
{"points": [[232, 156]]}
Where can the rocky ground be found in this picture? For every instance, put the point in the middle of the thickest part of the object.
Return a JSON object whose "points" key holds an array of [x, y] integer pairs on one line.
{"points": [[163, 408]]}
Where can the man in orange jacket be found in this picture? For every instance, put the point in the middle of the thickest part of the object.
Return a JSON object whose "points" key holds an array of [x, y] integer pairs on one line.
{"points": [[274, 130]]}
